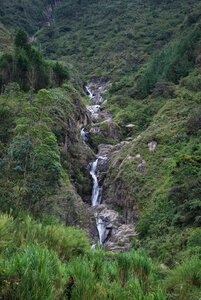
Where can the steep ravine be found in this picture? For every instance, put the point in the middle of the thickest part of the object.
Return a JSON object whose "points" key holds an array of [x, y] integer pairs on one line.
{"points": [[113, 230]]}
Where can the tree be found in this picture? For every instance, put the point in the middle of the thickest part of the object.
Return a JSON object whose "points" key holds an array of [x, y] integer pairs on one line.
{"points": [[21, 40], [60, 73]]}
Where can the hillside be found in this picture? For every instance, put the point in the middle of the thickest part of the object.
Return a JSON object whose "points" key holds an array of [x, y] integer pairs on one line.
{"points": [[100, 150], [115, 38]]}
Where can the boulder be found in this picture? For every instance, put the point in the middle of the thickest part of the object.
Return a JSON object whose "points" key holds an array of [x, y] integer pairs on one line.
{"points": [[152, 146]]}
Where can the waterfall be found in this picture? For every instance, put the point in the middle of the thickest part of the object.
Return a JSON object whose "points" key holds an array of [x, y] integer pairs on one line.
{"points": [[95, 191], [84, 135], [103, 225], [111, 230], [100, 224], [89, 92]]}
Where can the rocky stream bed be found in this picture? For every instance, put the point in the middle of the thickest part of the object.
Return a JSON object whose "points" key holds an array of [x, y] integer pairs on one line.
{"points": [[114, 232]]}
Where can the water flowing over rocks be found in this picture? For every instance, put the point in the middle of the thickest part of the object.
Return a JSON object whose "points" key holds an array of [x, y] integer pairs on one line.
{"points": [[102, 123], [112, 230], [95, 88]]}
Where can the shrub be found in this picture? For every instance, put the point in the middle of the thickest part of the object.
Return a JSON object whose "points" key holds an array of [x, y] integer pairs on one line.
{"points": [[192, 82], [35, 273], [195, 238], [66, 241], [183, 283], [164, 89], [194, 122], [171, 64]]}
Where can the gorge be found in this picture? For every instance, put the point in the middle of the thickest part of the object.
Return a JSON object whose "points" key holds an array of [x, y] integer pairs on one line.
{"points": [[100, 150], [117, 236]]}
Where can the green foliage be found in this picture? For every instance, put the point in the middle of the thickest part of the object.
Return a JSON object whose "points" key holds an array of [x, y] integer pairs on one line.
{"points": [[167, 192], [32, 162], [28, 68], [145, 48], [60, 73], [120, 41], [31, 257], [26, 14], [67, 242], [21, 41], [172, 63], [194, 122], [122, 276], [50, 261], [184, 282], [192, 81], [40, 149], [34, 273]]}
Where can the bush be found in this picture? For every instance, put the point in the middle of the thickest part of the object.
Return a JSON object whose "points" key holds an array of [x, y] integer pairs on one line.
{"points": [[35, 273], [194, 122], [195, 238], [60, 73], [192, 82], [66, 241], [164, 89], [28, 68], [183, 283], [172, 63]]}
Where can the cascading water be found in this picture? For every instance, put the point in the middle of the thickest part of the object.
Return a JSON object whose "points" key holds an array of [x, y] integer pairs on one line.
{"points": [[89, 92], [103, 224], [84, 135], [95, 191], [108, 221]]}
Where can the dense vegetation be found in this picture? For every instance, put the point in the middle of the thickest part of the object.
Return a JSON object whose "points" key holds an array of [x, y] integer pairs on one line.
{"points": [[36, 131], [27, 67], [167, 193], [45, 260], [149, 51]]}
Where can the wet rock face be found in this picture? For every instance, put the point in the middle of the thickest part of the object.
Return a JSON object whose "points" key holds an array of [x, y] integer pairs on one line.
{"points": [[121, 238], [117, 235], [97, 86], [94, 111], [105, 150], [102, 123], [104, 227], [116, 189], [110, 217]]}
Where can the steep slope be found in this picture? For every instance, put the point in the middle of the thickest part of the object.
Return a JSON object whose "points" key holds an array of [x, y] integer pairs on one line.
{"points": [[27, 15], [143, 60], [5, 39], [156, 179], [114, 38], [39, 135]]}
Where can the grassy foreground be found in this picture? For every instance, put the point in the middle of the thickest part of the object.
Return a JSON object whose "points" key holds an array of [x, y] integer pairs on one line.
{"points": [[45, 260]]}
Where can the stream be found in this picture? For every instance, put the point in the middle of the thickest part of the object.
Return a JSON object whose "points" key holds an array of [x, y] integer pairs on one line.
{"points": [[112, 231], [103, 223]]}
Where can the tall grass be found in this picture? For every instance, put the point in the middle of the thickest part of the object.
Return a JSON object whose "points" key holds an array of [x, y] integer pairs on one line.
{"points": [[40, 261], [35, 273], [184, 282]]}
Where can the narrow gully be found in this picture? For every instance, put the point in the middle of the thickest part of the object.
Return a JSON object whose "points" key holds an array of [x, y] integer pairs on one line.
{"points": [[103, 225]]}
